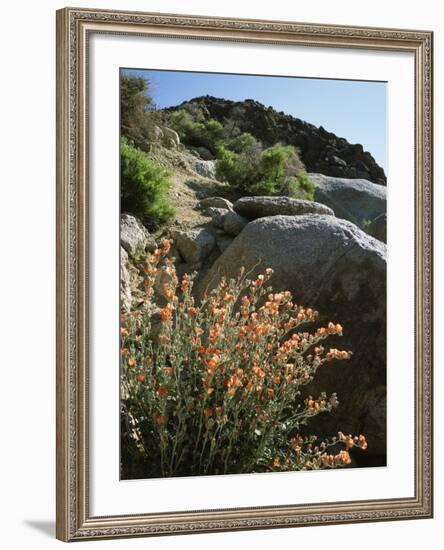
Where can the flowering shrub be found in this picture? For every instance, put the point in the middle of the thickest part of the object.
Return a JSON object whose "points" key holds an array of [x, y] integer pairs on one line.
{"points": [[214, 388]]}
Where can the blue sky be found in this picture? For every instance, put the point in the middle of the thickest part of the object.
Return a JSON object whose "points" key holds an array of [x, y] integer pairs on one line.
{"points": [[355, 110]]}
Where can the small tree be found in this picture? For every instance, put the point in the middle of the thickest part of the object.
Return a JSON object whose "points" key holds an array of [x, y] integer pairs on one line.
{"points": [[138, 114]]}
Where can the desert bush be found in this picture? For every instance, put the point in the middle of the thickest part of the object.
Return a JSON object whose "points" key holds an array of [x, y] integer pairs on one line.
{"points": [[144, 184], [300, 187], [215, 388], [240, 170], [196, 130], [251, 170]]}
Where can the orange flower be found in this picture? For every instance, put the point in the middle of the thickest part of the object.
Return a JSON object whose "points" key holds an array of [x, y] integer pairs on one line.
{"points": [[165, 314], [208, 412], [361, 442], [184, 283], [343, 457], [258, 282], [258, 372], [168, 370], [212, 363], [192, 310], [167, 291], [140, 377], [162, 391], [215, 332], [296, 442], [270, 392], [124, 331], [131, 362], [275, 463], [162, 419], [124, 351], [166, 246]]}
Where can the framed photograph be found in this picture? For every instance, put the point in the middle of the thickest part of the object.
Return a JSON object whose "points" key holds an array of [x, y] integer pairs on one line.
{"points": [[244, 274]]}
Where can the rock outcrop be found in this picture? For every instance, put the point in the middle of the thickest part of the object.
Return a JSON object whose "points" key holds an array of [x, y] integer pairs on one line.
{"points": [[134, 236], [259, 207], [321, 151], [333, 266], [194, 245], [205, 168], [355, 200]]}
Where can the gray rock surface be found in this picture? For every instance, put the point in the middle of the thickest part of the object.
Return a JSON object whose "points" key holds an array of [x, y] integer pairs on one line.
{"points": [[216, 202], [217, 216], [336, 268], [259, 207], [205, 168], [356, 200], [194, 245], [234, 223], [125, 281], [223, 242], [170, 137], [378, 228], [134, 236]]}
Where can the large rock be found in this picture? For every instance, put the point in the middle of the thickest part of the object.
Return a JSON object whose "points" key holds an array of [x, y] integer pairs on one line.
{"points": [[194, 245], [234, 223], [215, 202], [356, 200], [217, 216], [134, 236], [336, 268], [260, 207], [205, 168]]}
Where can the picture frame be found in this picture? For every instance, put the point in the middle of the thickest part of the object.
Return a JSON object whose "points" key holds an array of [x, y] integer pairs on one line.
{"points": [[75, 29]]}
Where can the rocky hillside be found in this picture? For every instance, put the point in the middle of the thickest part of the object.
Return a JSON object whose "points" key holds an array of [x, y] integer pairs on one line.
{"points": [[321, 151], [318, 250], [330, 252]]}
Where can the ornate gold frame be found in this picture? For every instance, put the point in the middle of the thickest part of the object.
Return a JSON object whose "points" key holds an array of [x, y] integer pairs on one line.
{"points": [[73, 519]]}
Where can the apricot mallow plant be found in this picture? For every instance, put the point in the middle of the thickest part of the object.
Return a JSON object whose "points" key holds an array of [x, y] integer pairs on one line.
{"points": [[215, 387]]}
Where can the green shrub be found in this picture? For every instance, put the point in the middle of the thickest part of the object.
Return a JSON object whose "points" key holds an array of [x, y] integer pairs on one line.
{"points": [[274, 160], [241, 142], [253, 171], [144, 184], [300, 187], [196, 131], [366, 226], [216, 388], [240, 170]]}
